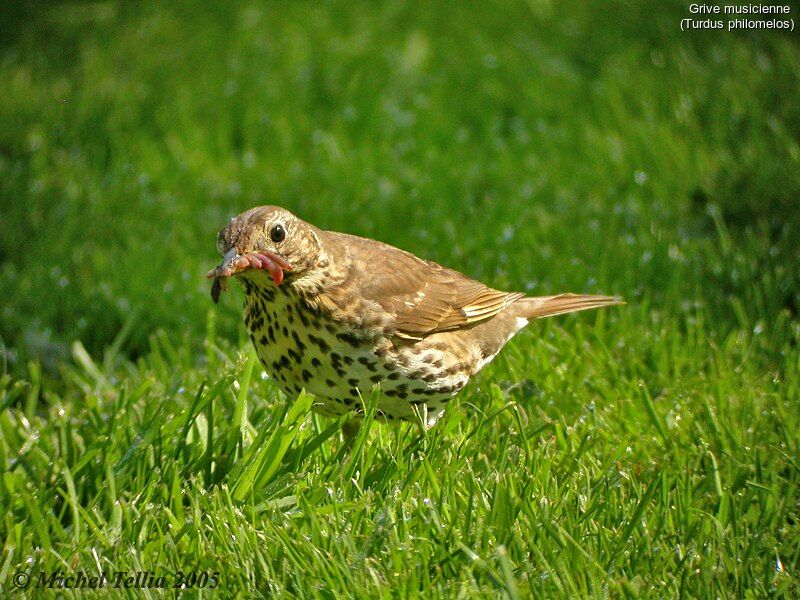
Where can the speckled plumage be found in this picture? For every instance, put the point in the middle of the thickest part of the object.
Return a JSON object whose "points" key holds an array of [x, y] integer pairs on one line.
{"points": [[336, 314]]}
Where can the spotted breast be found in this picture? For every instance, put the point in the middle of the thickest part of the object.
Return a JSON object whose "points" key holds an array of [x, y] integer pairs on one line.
{"points": [[301, 348]]}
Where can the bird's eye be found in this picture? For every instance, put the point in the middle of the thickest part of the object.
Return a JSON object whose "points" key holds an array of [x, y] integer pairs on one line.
{"points": [[278, 233]]}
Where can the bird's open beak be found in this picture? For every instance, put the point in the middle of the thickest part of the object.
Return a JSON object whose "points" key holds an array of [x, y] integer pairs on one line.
{"points": [[234, 263]]}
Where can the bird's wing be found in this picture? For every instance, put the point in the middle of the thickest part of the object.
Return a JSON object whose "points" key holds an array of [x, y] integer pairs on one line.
{"points": [[422, 297]]}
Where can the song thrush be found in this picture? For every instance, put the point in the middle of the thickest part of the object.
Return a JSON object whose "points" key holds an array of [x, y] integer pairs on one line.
{"points": [[338, 314]]}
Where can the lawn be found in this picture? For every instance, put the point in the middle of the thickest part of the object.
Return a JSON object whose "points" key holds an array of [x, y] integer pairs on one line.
{"points": [[648, 450]]}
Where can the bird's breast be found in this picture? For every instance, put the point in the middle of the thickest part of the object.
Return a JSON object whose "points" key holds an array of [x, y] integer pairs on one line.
{"points": [[302, 348]]}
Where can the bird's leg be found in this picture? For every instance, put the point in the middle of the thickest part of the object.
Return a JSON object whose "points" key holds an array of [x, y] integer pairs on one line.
{"points": [[421, 419]]}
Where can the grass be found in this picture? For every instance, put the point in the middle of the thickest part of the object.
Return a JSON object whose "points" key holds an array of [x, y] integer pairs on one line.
{"points": [[644, 451]]}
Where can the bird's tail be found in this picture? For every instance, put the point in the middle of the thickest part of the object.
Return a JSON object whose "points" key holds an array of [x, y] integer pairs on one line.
{"points": [[548, 306]]}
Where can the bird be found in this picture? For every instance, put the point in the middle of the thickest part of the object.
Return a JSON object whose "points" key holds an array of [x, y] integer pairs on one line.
{"points": [[335, 314]]}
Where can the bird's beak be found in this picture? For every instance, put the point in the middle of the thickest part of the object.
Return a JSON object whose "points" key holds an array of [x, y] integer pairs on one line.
{"points": [[226, 267], [234, 263]]}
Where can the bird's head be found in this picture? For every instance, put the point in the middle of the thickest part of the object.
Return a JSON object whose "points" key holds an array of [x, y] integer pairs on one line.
{"points": [[265, 240]]}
